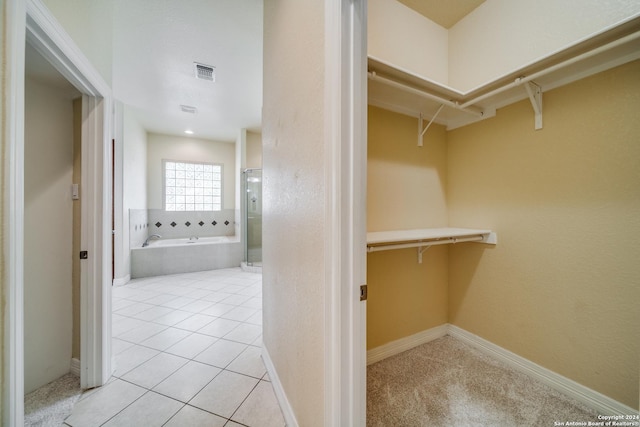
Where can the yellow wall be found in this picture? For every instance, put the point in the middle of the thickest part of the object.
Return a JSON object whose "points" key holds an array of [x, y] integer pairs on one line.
{"points": [[405, 190], [562, 286]]}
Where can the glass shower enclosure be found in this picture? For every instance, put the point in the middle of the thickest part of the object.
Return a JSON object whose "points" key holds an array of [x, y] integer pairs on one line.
{"points": [[253, 217]]}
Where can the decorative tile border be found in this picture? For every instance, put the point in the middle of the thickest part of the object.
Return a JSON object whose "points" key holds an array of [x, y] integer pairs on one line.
{"points": [[175, 225]]}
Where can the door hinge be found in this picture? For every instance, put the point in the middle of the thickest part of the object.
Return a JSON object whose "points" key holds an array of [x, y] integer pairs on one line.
{"points": [[84, 255], [363, 292]]}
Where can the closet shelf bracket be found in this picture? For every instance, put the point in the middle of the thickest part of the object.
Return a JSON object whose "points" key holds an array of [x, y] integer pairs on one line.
{"points": [[535, 96], [421, 130], [422, 249]]}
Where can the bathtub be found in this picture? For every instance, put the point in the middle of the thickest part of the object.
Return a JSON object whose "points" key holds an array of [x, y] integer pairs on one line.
{"points": [[173, 256]]}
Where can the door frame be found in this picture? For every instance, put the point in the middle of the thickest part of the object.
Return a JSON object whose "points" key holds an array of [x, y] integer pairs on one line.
{"points": [[345, 215], [30, 20]]}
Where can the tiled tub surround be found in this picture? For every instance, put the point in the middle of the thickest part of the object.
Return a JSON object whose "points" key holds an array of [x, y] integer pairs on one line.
{"points": [[138, 227], [172, 225], [172, 256]]}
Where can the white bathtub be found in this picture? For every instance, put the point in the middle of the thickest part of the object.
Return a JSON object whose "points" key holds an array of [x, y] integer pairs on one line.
{"points": [[172, 256]]}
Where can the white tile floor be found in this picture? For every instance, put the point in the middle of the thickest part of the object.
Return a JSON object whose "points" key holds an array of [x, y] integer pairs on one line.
{"points": [[187, 353]]}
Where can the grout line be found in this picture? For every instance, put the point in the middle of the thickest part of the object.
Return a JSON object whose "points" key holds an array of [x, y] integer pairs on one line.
{"points": [[227, 283], [241, 403], [144, 394], [172, 416]]}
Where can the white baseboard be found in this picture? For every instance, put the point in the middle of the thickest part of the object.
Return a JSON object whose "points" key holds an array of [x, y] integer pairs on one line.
{"points": [[285, 406], [119, 281], [599, 402], [403, 344], [75, 367]]}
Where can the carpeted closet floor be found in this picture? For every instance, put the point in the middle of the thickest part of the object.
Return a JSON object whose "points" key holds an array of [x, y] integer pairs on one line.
{"points": [[49, 405], [448, 383]]}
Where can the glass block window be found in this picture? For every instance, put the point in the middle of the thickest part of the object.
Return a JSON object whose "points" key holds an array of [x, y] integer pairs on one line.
{"points": [[190, 186]]}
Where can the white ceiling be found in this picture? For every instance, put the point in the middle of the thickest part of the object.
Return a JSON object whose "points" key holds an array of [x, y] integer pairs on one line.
{"points": [[155, 44]]}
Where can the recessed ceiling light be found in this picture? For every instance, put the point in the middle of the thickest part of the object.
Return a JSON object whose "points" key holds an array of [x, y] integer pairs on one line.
{"points": [[188, 132]]}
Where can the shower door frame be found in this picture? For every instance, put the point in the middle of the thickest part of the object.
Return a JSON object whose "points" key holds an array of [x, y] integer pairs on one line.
{"points": [[245, 213]]}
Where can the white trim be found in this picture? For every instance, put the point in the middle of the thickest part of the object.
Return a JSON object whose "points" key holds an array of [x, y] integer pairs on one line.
{"points": [[285, 406], [30, 19], [345, 215], [12, 79], [602, 404], [119, 281], [333, 330], [95, 289], [51, 40], [407, 343], [75, 367]]}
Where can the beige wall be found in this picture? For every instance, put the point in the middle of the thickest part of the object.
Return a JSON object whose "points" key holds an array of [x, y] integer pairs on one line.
{"points": [[89, 23], [405, 190], [294, 191], [398, 35], [170, 147], [496, 38], [254, 150], [134, 175], [561, 288], [501, 36], [48, 234]]}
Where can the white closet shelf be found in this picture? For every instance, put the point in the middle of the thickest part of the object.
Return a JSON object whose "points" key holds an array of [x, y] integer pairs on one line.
{"points": [[396, 89], [424, 238]]}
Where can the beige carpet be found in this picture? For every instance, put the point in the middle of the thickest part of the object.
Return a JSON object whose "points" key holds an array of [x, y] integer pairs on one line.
{"points": [[49, 405], [448, 383]]}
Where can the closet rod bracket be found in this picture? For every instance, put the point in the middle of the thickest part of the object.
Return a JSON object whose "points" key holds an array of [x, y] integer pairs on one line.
{"points": [[421, 130], [535, 96], [421, 250]]}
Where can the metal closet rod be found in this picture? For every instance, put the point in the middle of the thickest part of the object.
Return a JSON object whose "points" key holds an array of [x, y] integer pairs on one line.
{"points": [[468, 106], [521, 80], [451, 240]]}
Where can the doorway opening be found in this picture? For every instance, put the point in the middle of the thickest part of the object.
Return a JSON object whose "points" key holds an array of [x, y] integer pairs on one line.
{"points": [[32, 23]]}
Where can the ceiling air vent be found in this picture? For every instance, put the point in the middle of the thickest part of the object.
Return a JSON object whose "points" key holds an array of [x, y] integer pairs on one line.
{"points": [[188, 109], [205, 72]]}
